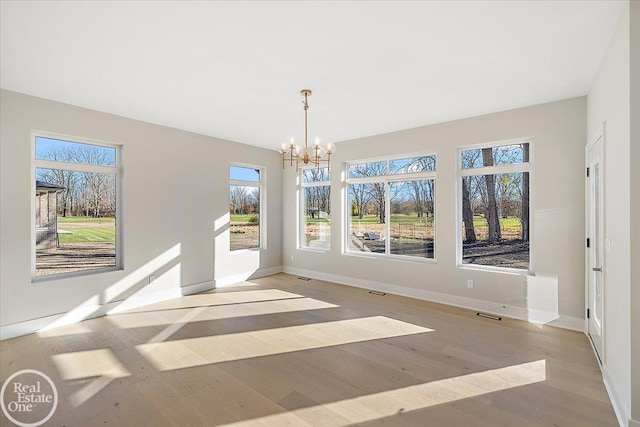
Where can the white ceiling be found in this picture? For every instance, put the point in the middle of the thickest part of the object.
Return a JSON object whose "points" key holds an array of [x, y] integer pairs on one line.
{"points": [[234, 70]]}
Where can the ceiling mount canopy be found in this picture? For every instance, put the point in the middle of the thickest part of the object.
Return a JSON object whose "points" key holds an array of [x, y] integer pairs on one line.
{"points": [[318, 155]]}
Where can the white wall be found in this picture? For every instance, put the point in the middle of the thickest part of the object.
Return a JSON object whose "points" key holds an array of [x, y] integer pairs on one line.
{"points": [[609, 101], [175, 190], [557, 289], [634, 49]]}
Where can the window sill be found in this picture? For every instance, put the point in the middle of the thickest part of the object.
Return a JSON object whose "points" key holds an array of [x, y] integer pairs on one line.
{"points": [[491, 269], [74, 274], [244, 251], [401, 258], [312, 249]]}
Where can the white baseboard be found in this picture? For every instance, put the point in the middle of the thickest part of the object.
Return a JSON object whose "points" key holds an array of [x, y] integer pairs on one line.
{"points": [[237, 278], [197, 288], [520, 313], [27, 327], [91, 310], [622, 412]]}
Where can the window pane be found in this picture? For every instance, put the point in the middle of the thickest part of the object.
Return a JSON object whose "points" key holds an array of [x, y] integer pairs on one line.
{"points": [[317, 214], [75, 221], [367, 217], [244, 174], [244, 210], [368, 169], [495, 212], [412, 218], [495, 156], [413, 165], [74, 152], [316, 175]]}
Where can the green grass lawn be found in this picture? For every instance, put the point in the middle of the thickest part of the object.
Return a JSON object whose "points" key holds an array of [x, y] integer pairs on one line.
{"points": [[243, 219], [88, 235], [316, 220], [84, 220], [510, 222], [395, 219], [86, 230], [478, 221]]}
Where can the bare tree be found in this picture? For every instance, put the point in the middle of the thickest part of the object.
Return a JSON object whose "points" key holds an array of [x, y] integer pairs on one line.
{"points": [[467, 213], [91, 193], [360, 197], [238, 196], [492, 207], [469, 158], [378, 199], [524, 218]]}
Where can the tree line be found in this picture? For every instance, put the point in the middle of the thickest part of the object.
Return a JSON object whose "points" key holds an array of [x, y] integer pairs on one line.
{"points": [[495, 196], [89, 194], [244, 200], [415, 196]]}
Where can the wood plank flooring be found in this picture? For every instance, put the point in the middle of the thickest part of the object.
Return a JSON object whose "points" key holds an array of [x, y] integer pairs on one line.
{"points": [[280, 351]]}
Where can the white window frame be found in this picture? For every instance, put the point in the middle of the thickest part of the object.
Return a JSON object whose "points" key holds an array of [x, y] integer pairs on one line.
{"points": [[301, 211], [262, 186], [493, 170], [77, 167], [387, 179]]}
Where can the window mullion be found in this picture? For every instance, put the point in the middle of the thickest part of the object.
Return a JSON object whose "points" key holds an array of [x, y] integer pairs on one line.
{"points": [[75, 167], [495, 170], [387, 218]]}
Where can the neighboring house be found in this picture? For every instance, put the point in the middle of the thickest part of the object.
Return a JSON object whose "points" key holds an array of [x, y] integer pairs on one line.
{"points": [[46, 218]]}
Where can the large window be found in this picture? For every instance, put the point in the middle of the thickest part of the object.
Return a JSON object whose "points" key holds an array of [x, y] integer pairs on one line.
{"points": [[391, 207], [246, 191], [316, 209], [76, 214], [495, 204]]}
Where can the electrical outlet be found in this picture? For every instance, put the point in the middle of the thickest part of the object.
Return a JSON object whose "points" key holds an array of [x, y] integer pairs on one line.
{"points": [[152, 278], [470, 284], [291, 257]]}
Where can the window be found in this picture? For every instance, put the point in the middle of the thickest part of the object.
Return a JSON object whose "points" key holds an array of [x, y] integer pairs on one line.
{"points": [[391, 207], [246, 191], [495, 204], [75, 215], [316, 209]]}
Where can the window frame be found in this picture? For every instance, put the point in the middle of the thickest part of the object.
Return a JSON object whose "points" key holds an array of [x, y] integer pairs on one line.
{"points": [[262, 215], [118, 170], [495, 170], [301, 210], [386, 180]]}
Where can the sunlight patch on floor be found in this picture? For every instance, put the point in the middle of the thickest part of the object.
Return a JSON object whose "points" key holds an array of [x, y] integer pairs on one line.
{"points": [[65, 330], [393, 402], [87, 364], [200, 351], [217, 298], [218, 312], [101, 365]]}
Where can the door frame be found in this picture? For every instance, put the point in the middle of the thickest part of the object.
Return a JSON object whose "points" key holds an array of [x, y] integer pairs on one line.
{"points": [[599, 135]]}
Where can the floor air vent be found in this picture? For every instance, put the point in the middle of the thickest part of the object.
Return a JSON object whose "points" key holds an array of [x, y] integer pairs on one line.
{"points": [[380, 294], [489, 316], [306, 279]]}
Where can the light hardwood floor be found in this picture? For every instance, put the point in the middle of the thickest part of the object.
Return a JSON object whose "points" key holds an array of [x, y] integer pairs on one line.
{"points": [[281, 351]]}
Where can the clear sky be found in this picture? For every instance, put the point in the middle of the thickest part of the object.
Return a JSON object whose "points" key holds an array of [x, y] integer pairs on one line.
{"points": [[244, 174]]}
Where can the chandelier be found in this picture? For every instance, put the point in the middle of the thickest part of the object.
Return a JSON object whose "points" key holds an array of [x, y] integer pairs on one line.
{"points": [[316, 156]]}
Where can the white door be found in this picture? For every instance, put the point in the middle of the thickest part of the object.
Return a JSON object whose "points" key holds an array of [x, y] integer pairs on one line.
{"points": [[595, 252]]}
